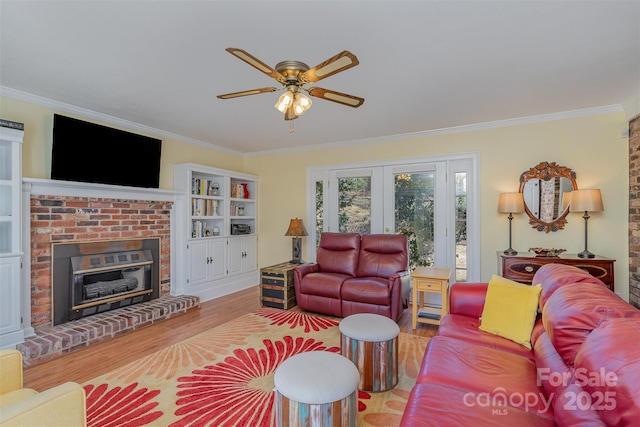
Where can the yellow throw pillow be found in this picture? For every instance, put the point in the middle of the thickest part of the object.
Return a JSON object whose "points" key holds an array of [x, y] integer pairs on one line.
{"points": [[510, 310]]}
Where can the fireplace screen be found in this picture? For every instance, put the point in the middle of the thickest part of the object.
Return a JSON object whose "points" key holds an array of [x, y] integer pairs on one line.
{"points": [[91, 277], [109, 277]]}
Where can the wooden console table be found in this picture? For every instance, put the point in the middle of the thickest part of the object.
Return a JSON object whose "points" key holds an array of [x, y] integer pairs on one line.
{"points": [[523, 266]]}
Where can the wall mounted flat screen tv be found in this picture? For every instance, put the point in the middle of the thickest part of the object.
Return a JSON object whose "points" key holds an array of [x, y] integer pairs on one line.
{"points": [[88, 152]]}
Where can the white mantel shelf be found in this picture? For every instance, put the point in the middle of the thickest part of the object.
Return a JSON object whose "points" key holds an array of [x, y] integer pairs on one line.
{"points": [[52, 187]]}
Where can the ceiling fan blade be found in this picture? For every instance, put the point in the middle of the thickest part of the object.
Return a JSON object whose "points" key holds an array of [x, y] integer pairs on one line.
{"points": [[342, 61], [341, 98], [255, 62], [247, 92]]}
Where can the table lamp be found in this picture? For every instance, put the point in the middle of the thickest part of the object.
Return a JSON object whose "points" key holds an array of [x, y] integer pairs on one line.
{"points": [[510, 203], [296, 230], [586, 201]]}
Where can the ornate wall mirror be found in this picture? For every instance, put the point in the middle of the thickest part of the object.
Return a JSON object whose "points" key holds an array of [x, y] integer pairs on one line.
{"points": [[543, 188]]}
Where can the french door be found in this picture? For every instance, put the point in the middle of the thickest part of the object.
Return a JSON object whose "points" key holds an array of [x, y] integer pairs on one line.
{"points": [[427, 201]]}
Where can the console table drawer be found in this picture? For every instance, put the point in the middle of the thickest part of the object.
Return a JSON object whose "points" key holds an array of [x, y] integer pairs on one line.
{"points": [[523, 267]]}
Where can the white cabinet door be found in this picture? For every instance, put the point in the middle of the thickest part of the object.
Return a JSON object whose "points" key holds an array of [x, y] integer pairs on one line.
{"points": [[236, 259], [243, 254], [207, 260], [218, 257], [9, 295], [198, 266], [250, 254]]}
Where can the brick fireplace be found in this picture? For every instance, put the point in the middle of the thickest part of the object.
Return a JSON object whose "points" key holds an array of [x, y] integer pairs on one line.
{"points": [[634, 211], [56, 219], [65, 214]]}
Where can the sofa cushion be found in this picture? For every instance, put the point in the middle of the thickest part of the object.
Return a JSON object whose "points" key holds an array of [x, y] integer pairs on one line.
{"points": [[607, 368], [479, 369], [382, 255], [553, 373], [323, 284], [510, 310], [368, 290], [338, 253], [553, 276], [438, 405], [575, 309], [467, 329]]}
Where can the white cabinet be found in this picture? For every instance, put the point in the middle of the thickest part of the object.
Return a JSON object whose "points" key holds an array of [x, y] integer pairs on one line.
{"points": [[207, 260], [218, 214], [11, 301], [243, 254]]}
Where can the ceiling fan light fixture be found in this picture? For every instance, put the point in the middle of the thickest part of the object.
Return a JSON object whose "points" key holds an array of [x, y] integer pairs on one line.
{"points": [[284, 102]]}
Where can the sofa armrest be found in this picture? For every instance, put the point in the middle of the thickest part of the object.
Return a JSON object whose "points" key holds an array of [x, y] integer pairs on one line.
{"points": [[467, 299], [10, 371], [303, 269], [63, 405], [405, 288]]}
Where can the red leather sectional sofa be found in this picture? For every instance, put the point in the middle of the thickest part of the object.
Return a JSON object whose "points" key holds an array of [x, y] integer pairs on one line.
{"points": [[583, 370], [355, 274]]}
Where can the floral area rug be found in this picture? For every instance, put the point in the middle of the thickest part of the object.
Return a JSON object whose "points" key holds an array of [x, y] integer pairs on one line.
{"points": [[224, 376]]}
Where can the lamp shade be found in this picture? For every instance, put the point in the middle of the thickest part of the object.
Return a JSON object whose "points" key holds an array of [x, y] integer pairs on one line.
{"points": [[586, 201], [510, 203], [296, 228]]}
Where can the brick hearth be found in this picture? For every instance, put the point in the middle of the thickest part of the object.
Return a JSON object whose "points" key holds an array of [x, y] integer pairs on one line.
{"points": [[55, 341]]}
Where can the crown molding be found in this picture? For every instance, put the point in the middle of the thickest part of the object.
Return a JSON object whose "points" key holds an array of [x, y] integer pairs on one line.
{"points": [[68, 108], [563, 115]]}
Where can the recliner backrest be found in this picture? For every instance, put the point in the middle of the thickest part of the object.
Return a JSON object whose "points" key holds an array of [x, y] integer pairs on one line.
{"points": [[382, 255], [338, 253]]}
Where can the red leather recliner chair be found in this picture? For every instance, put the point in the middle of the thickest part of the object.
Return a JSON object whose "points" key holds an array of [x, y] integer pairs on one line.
{"points": [[356, 274]]}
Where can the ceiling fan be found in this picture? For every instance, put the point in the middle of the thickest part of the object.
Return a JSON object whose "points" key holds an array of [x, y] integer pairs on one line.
{"points": [[293, 75]]}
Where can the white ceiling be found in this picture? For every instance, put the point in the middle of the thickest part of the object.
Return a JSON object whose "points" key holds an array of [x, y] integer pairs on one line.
{"points": [[424, 65]]}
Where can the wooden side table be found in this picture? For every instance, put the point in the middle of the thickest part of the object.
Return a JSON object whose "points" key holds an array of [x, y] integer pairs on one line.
{"points": [[429, 280]]}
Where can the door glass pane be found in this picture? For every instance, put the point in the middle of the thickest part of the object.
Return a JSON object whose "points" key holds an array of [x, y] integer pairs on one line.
{"points": [[414, 208], [461, 226], [354, 205]]}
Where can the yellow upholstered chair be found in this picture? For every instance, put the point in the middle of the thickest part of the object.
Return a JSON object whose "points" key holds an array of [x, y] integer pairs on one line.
{"points": [[63, 405]]}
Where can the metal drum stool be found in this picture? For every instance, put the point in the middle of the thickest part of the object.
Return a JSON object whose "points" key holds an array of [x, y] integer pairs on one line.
{"points": [[370, 341], [316, 388]]}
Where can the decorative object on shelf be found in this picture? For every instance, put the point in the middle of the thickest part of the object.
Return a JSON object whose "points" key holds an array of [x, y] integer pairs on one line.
{"points": [[553, 253], [240, 209], [510, 203], [245, 190], [216, 231], [586, 201], [543, 188], [215, 189], [296, 230]]}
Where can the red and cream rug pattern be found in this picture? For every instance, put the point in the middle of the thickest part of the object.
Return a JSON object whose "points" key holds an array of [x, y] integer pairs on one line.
{"points": [[224, 376]]}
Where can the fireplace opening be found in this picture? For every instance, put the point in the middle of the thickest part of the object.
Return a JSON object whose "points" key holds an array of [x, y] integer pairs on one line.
{"points": [[101, 279], [90, 278]]}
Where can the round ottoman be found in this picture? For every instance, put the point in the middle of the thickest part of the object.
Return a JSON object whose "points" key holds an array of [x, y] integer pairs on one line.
{"points": [[316, 388], [370, 341]]}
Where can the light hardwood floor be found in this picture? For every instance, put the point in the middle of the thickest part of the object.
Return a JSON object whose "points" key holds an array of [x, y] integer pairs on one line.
{"points": [[82, 365]]}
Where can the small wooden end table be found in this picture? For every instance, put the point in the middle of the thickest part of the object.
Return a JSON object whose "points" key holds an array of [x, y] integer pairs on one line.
{"points": [[429, 280]]}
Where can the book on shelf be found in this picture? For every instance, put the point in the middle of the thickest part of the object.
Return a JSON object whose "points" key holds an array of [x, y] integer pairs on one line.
{"points": [[204, 187], [204, 207]]}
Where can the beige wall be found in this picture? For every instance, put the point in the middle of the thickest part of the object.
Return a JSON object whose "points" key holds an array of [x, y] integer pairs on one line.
{"points": [[592, 146]]}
